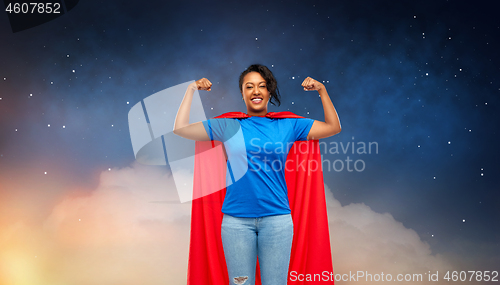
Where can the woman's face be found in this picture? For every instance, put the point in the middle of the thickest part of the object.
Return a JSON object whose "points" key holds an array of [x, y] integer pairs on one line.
{"points": [[254, 91]]}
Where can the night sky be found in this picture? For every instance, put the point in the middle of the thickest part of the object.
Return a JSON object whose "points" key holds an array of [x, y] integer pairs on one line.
{"points": [[419, 79]]}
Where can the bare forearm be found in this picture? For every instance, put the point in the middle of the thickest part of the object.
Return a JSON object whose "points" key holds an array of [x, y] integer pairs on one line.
{"points": [[331, 116], [182, 118], [331, 125], [195, 131]]}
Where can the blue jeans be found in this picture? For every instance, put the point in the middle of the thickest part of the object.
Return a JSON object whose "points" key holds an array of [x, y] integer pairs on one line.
{"points": [[269, 238]]}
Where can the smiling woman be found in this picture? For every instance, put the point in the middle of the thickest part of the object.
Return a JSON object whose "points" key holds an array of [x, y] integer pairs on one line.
{"points": [[255, 94], [257, 220]]}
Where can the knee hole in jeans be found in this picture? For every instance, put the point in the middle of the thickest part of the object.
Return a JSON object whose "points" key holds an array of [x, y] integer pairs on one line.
{"points": [[240, 280]]}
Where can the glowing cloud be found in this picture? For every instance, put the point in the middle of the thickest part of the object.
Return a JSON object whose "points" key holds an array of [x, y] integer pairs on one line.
{"points": [[132, 229]]}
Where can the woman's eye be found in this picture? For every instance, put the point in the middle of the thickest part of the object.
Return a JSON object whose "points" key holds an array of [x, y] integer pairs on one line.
{"points": [[263, 86], [249, 87]]}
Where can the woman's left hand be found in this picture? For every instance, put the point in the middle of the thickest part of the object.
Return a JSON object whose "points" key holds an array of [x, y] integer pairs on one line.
{"points": [[310, 84]]}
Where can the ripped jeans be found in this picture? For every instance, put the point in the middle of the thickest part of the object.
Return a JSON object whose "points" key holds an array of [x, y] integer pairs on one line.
{"points": [[269, 238]]}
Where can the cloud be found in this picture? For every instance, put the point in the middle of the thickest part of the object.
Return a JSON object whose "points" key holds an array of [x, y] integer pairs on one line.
{"points": [[369, 242], [130, 230], [127, 205]]}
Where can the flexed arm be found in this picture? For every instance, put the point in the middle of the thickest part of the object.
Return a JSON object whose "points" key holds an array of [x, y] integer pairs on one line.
{"points": [[194, 131], [331, 125]]}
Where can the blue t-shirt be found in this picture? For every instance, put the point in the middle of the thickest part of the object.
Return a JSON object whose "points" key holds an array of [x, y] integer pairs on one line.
{"points": [[257, 148]]}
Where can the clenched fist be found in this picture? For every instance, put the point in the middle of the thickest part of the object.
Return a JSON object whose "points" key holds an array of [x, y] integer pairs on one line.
{"points": [[310, 84], [204, 84]]}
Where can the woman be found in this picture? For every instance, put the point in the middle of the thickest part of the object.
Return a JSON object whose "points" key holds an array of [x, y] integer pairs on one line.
{"points": [[257, 220]]}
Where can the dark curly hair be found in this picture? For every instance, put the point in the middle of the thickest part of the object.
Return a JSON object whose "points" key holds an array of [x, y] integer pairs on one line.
{"points": [[271, 83]]}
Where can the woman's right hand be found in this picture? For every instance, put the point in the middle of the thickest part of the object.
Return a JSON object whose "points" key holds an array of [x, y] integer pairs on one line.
{"points": [[204, 84]]}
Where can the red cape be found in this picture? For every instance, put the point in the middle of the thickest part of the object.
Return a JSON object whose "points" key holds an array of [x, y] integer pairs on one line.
{"points": [[310, 260]]}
